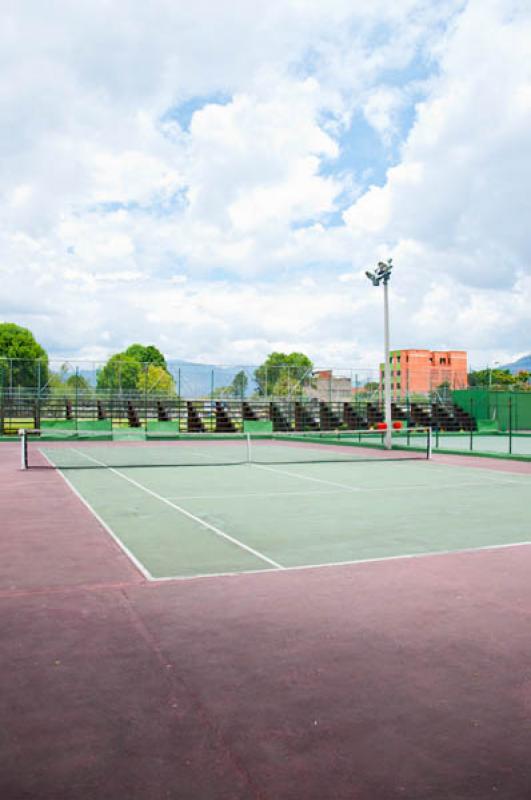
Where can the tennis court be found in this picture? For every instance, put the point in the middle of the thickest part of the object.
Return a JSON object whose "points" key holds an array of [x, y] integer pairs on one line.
{"points": [[240, 619], [213, 505]]}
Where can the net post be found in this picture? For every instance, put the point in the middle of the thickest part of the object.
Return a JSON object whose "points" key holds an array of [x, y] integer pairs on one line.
{"points": [[429, 443], [23, 448], [249, 452]]}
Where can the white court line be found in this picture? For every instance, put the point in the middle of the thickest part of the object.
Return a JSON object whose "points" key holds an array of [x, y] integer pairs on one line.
{"points": [[456, 485], [324, 565], [304, 477], [357, 489], [102, 522], [299, 568], [348, 488], [227, 496], [183, 511]]}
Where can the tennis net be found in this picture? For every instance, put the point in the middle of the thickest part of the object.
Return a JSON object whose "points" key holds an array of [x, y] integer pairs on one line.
{"points": [[70, 449]]}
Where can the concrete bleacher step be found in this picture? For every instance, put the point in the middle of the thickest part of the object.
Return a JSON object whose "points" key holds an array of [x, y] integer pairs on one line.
{"points": [[305, 418], [248, 412], [162, 413], [329, 419], [223, 422], [132, 415], [194, 422], [278, 418], [352, 417]]}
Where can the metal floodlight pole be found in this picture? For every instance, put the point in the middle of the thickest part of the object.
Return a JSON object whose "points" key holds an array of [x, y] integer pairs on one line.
{"points": [[382, 274], [387, 370]]}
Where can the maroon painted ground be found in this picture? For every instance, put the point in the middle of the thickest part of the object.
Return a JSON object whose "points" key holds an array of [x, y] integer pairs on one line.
{"points": [[400, 679]]}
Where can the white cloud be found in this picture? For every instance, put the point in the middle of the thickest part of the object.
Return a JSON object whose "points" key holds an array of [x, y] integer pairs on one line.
{"points": [[381, 109], [230, 236]]}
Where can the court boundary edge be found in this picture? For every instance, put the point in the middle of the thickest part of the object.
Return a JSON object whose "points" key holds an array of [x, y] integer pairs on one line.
{"points": [[123, 547]]}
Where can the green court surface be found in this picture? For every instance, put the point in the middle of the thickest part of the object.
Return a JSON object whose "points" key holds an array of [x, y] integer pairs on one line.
{"points": [[185, 521], [516, 444]]}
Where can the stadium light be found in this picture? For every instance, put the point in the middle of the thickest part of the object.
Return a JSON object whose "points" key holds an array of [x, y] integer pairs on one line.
{"points": [[382, 274]]}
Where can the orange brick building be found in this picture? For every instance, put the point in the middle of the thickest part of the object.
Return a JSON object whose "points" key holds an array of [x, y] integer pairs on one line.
{"points": [[423, 371]]}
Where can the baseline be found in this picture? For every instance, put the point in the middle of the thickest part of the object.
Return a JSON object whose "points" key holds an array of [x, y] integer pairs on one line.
{"points": [[350, 562]]}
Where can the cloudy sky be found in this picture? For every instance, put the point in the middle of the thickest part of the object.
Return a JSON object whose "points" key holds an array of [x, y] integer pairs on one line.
{"points": [[214, 177]]}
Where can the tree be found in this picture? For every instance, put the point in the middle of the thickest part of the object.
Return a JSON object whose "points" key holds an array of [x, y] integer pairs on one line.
{"points": [[78, 382], [23, 362], [237, 388], [491, 377], [239, 384], [62, 384], [282, 374], [146, 354], [124, 371], [119, 373], [155, 380]]}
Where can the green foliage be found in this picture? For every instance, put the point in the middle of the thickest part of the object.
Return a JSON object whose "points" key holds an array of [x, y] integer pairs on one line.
{"points": [[155, 380], [29, 365], [62, 384], [78, 383], [239, 384], [237, 388], [127, 371], [491, 377], [283, 374], [146, 354], [120, 373]]}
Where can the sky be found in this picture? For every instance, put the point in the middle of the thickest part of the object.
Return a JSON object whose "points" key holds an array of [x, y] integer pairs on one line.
{"points": [[215, 177]]}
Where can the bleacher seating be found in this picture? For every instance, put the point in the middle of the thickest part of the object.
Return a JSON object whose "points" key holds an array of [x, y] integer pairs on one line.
{"points": [[306, 418], [224, 423]]}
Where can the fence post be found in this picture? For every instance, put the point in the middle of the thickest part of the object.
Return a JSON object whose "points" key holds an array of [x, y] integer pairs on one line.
{"points": [[212, 420], [179, 400], [289, 385], [510, 426], [471, 424], [146, 396], [77, 395]]}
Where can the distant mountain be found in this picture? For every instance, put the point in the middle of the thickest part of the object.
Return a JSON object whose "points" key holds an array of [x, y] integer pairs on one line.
{"points": [[520, 364], [196, 380]]}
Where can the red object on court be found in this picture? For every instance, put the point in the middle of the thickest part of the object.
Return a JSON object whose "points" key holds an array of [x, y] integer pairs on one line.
{"points": [[397, 424], [381, 426]]}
